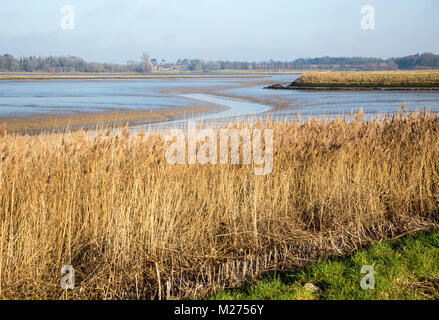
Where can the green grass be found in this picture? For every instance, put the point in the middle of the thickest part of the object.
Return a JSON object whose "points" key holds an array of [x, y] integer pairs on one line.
{"points": [[404, 269]]}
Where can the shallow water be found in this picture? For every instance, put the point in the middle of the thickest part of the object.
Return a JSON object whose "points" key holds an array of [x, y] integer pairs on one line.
{"points": [[330, 104], [235, 107], [25, 98]]}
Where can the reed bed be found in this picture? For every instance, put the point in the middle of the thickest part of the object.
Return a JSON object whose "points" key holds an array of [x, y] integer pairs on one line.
{"points": [[135, 227], [369, 79]]}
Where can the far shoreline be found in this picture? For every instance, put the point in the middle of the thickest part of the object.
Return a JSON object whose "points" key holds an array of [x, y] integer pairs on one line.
{"points": [[17, 76]]}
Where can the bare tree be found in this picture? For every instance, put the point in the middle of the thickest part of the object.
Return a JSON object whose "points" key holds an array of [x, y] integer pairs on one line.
{"points": [[146, 63]]}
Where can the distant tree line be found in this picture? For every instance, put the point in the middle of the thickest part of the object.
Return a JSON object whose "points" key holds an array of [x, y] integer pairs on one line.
{"points": [[414, 62], [423, 61], [70, 64], [73, 64]]}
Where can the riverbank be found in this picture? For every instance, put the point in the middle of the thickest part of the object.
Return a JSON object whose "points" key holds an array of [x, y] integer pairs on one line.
{"points": [[422, 80]]}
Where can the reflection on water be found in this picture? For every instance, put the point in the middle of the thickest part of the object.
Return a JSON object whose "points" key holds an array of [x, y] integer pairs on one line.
{"points": [[22, 98], [235, 107]]}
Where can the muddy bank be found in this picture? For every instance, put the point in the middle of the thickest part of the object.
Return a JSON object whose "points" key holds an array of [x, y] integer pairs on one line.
{"points": [[330, 88], [89, 121]]}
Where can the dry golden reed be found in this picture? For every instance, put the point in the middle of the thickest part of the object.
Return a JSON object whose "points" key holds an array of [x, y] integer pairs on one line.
{"points": [[370, 79], [135, 227]]}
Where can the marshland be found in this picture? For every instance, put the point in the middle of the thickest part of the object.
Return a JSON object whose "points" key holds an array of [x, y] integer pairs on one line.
{"points": [[350, 169]]}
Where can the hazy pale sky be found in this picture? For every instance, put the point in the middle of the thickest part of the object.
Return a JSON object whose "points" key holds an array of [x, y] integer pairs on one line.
{"points": [[117, 31]]}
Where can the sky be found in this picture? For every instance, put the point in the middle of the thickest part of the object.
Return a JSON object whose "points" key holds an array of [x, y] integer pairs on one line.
{"points": [[245, 30]]}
